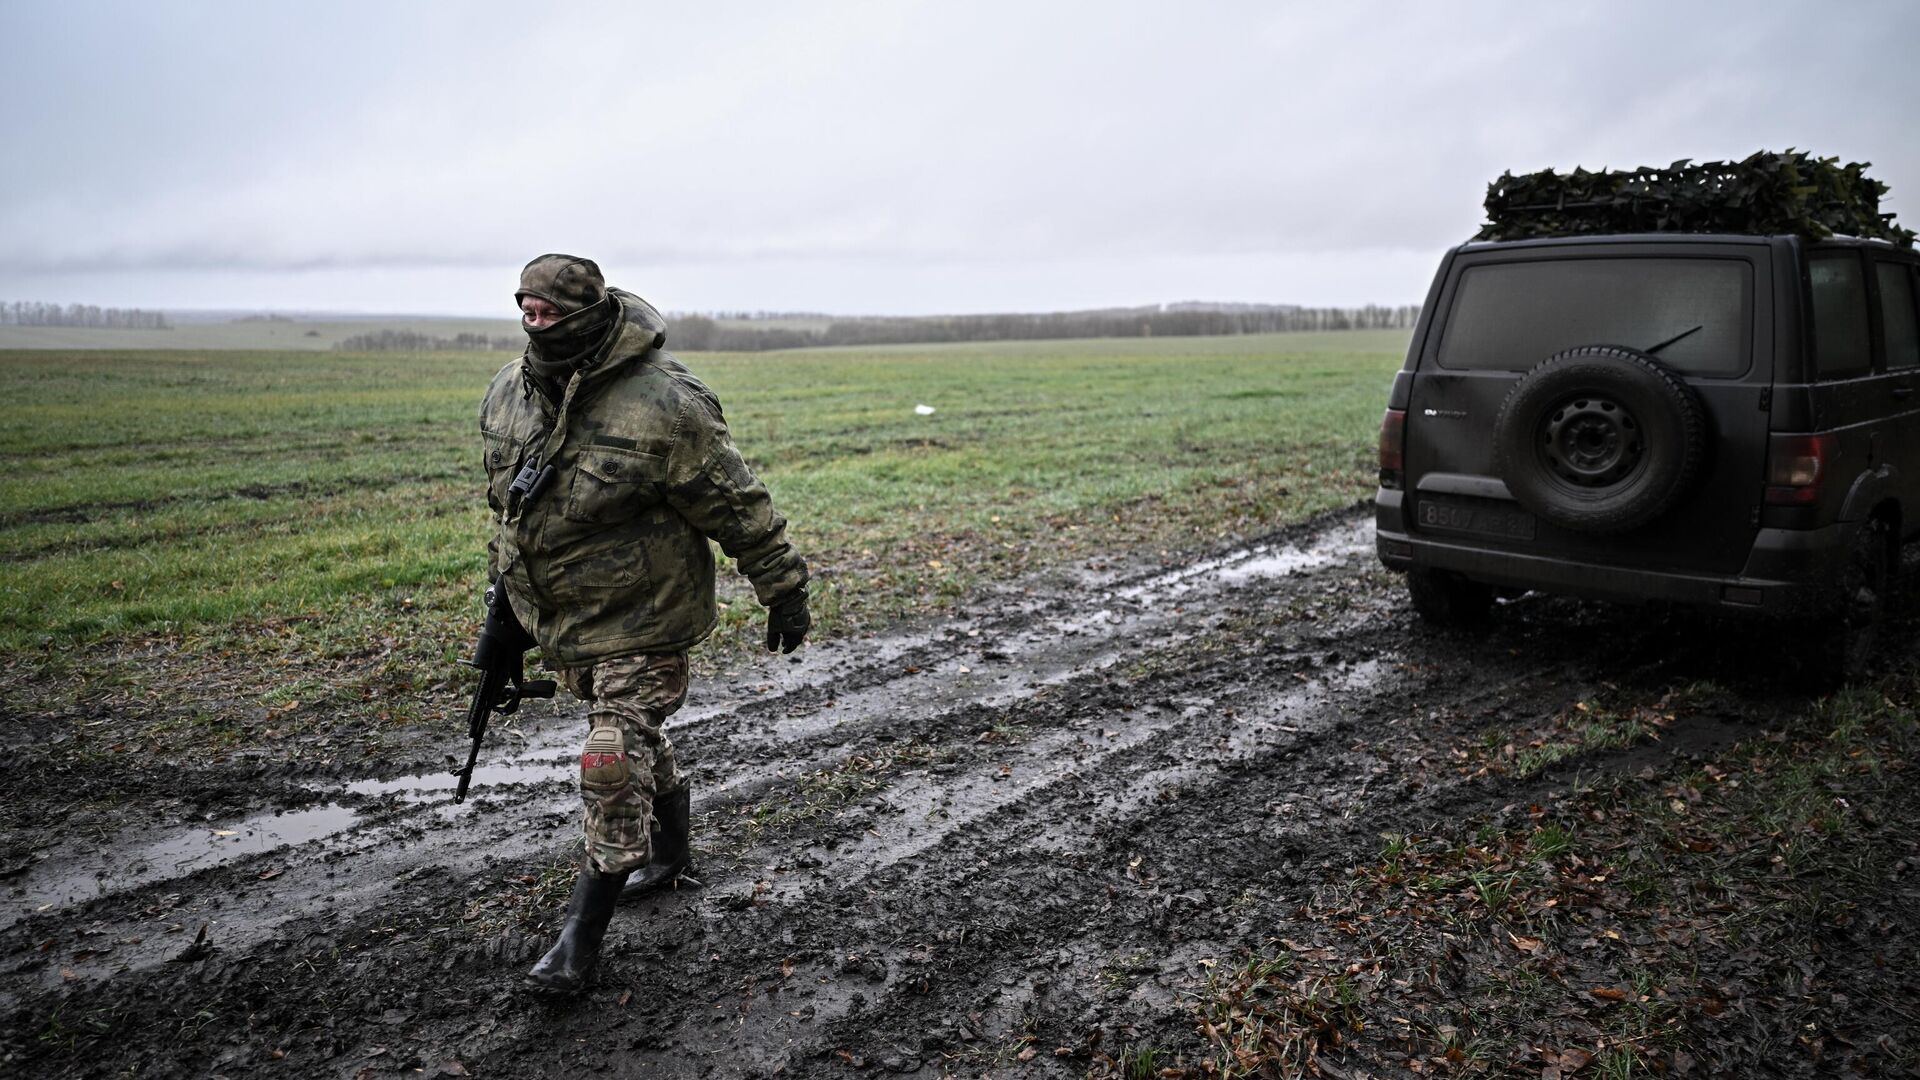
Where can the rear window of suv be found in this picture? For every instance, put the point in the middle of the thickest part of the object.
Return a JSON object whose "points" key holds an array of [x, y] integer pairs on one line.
{"points": [[1511, 316]]}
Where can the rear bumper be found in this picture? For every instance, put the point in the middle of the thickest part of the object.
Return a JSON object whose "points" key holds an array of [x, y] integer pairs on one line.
{"points": [[1788, 572]]}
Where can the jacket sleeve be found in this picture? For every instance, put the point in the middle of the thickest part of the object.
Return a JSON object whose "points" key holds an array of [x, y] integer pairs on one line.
{"points": [[493, 504], [711, 486], [486, 479]]}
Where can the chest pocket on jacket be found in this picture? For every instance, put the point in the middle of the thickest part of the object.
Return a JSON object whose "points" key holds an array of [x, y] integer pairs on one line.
{"points": [[612, 484], [502, 453]]}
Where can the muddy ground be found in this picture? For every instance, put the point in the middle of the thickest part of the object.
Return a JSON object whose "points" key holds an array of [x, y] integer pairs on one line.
{"points": [[1034, 837]]}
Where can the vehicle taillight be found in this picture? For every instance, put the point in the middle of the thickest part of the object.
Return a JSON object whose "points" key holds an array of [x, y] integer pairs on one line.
{"points": [[1796, 466], [1393, 445]]}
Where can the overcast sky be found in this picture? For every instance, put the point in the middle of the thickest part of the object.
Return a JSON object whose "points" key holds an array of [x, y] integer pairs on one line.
{"points": [[869, 157]]}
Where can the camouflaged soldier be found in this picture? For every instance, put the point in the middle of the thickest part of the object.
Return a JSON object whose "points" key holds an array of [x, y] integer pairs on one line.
{"points": [[606, 561]]}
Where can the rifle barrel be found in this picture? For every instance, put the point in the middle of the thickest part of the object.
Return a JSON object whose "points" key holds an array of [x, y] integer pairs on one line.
{"points": [[492, 681]]}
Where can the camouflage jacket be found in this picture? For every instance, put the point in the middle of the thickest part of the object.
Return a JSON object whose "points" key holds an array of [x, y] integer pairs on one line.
{"points": [[612, 559]]}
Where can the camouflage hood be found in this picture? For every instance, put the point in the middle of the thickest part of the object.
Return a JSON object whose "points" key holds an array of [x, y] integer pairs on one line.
{"points": [[640, 327]]}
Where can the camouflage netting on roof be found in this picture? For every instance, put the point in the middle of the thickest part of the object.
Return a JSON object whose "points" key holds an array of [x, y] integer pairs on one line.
{"points": [[1765, 194]]}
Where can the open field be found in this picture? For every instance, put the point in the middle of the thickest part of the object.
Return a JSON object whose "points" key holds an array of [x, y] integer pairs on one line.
{"points": [[1117, 754], [206, 497]]}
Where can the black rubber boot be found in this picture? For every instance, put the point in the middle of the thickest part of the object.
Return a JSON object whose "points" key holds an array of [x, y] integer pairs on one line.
{"points": [[671, 850], [569, 965]]}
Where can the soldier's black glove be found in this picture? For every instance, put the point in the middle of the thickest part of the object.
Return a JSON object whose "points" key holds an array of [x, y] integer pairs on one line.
{"points": [[787, 621]]}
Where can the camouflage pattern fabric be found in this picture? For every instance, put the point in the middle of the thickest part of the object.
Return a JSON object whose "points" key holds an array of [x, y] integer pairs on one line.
{"points": [[613, 560], [627, 761], [568, 282], [588, 315]]}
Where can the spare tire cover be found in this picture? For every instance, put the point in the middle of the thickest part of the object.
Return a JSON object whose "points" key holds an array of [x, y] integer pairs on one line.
{"points": [[1599, 439]]}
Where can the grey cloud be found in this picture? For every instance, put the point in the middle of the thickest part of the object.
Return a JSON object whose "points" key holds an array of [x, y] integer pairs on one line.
{"points": [[217, 139]]}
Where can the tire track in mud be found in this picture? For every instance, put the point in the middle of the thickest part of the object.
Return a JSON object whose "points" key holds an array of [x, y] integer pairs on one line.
{"points": [[843, 698], [1072, 898], [838, 914], [1052, 881], [884, 910], [1058, 803]]}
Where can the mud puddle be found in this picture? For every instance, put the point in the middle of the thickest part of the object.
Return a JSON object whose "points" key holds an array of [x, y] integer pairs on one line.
{"points": [[74, 878], [1326, 548]]}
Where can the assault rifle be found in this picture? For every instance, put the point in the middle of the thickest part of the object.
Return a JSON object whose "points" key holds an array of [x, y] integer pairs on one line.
{"points": [[500, 656]]}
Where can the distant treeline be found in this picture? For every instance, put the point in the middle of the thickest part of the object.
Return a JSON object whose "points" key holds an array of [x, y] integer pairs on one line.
{"points": [[700, 332], [415, 341], [764, 316], [21, 313]]}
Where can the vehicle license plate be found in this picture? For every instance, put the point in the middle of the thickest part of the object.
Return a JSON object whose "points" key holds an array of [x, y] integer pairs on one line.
{"points": [[1475, 518]]}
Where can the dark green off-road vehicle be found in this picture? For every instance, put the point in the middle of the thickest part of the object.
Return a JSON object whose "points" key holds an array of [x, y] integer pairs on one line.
{"points": [[1726, 421]]}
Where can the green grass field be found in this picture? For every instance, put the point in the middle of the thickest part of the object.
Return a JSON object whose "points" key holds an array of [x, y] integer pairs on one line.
{"points": [[299, 525]]}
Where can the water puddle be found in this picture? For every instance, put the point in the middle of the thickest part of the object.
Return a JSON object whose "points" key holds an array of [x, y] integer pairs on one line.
{"points": [[163, 856], [1277, 564], [434, 785], [1260, 561], [77, 879]]}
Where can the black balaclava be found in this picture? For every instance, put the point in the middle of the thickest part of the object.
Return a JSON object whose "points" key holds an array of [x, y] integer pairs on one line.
{"points": [[575, 286]]}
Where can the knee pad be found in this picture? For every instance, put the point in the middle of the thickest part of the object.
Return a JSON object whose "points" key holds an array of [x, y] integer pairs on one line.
{"points": [[603, 762]]}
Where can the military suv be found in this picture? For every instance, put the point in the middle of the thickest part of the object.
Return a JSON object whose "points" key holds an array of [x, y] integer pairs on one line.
{"points": [[1723, 421]]}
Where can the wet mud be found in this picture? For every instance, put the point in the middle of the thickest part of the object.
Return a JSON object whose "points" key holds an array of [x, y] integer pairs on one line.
{"points": [[1010, 840]]}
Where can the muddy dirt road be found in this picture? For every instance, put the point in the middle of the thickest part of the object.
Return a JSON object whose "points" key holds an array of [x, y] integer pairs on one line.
{"points": [[1014, 840]]}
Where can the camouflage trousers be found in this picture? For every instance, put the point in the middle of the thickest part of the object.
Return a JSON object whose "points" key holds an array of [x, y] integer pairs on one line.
{"points": [[627, 761]]}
